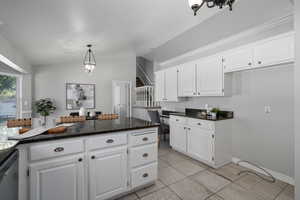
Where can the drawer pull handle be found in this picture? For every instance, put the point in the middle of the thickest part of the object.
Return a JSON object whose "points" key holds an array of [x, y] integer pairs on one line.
{"points": [[145, 139], [93, 157], [145, 175], [177, 120], [109, 141], [145, 155], [80, 160], [199, 124], [59, 149]]}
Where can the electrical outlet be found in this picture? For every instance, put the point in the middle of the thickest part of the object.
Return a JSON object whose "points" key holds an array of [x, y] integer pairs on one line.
{"points": [[267, 109]]}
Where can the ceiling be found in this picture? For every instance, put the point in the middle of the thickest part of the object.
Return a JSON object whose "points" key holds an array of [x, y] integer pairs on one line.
{"points": [[56, 31]]}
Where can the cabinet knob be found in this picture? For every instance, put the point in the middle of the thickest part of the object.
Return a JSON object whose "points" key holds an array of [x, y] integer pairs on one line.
{"points": [[198, 93], [199, 124], [145, 139], [59, 149], [109, 141], [177, 120], [145, 175], [80, 160], [194, 93], [249, 63], [145, 155], [93, 157], [259, 62]]}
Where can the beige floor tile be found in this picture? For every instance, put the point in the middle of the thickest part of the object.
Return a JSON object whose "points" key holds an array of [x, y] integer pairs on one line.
{"points": [[230, 171], [287, 194], [163, 194], [188, 189], [153, 188], [187, 167], [172, 158], [162, 163], [131, 196], [268, 190], [235, 192], [210, 180], [196, 162], [248, 181], [163, 151], [169, 175], [215, 197]]}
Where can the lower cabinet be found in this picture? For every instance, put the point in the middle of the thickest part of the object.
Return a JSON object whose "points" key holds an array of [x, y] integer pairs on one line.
{"points": [[201, 143], [206, 141], [178, 136], [58, 179], [107, 173]]}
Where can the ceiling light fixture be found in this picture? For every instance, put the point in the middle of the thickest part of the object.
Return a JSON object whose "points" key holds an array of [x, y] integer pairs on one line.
{"points": [[89, 61], [197, 4]]}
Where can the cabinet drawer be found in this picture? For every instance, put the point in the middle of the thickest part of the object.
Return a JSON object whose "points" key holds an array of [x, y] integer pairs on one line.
{"points": [[177, 119], [143, 175], [143, 155], [106, 141], [208, 125], [44, 151], [143, 138]]}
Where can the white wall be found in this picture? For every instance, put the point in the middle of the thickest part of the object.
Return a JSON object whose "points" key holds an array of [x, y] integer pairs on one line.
{"points": [[297, 100], [50, 80], [10, 52]]}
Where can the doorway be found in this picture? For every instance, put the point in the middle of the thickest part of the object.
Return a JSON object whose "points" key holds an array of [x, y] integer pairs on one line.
{"points": [[121, 98]]}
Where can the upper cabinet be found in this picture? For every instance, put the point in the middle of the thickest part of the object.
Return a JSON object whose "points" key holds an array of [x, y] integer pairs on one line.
{"points": [[166, 85], [238, 59], [210, 76], [187, 80], [272, 51]]}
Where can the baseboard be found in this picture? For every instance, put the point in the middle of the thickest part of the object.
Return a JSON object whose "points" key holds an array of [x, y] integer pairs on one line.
{"points": [[277, 175]]}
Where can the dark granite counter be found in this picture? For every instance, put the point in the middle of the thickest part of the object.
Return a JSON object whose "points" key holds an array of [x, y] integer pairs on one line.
{"points": [[93, 127], [4, 154], [200, 117]]}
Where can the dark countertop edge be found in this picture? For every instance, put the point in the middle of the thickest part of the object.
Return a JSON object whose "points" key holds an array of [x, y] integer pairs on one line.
{"points": [[7, 153], [194, 117], [32, 140]]}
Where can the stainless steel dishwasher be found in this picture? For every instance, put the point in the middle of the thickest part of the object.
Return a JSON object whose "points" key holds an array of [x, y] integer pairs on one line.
{"points": [[9, 178]]}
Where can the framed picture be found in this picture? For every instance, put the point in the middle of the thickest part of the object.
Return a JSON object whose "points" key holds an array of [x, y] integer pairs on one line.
{"points": [[80, 95]]}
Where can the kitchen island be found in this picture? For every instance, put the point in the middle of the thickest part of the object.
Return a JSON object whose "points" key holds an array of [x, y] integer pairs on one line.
{"points": [[93, 160]]}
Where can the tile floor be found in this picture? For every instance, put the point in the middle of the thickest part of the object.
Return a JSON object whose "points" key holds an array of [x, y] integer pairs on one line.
{"points": [[182, 178]]}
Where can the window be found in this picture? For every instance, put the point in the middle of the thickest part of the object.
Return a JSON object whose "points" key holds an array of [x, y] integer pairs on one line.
{"points": [[8, 97]]}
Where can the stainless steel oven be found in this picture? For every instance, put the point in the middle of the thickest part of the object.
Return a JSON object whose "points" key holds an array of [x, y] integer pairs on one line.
{"points": [[9, 178]]}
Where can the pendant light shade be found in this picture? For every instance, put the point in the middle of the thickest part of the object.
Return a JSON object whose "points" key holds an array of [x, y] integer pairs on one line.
{"points": [[195, 5], [89, 61]]}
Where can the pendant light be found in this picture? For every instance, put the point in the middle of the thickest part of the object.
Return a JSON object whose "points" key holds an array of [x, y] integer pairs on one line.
{"points": [[89, 62], [195, 5]]}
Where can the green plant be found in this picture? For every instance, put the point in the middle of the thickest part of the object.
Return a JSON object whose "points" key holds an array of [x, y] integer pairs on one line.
{"points": [[215, 110], [44, 107]]}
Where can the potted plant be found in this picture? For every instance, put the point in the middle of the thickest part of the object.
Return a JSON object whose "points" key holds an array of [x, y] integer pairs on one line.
{"points": [[215, 112], [45, 107]]}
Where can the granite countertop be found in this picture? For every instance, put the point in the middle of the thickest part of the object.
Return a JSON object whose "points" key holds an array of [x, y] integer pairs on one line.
{"points": [[198, 116], [93, 127], [4, 154]]}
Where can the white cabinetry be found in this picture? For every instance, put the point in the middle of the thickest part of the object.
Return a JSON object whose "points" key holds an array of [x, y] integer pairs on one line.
{"points": [[206, 141], [57, 179], [274, 51], [210, 76], [238, 59], [107, 173], [187, 80], [166, 85]]}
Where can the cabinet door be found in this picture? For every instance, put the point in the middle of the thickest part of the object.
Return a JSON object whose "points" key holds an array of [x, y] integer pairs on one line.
{"points": [[178, 136], [210, 77], [159, 85], [107, 173], [57, 179], [200, 143], [274, 51], [171, 84], [187, 79], [238, 59]]}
